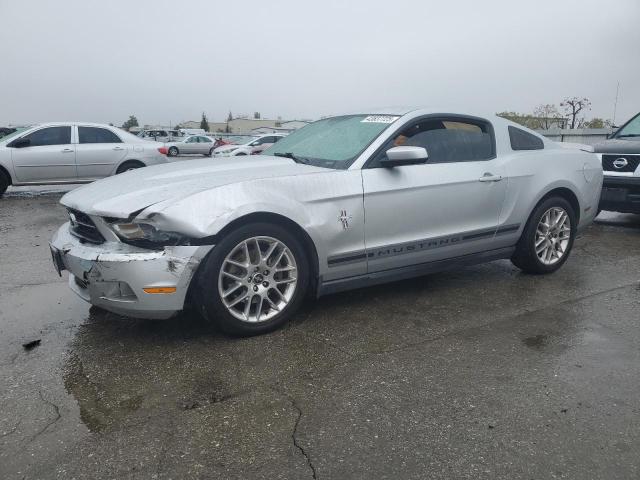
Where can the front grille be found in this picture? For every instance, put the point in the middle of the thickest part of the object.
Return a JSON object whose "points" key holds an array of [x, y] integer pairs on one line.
{"points": [[609, 163], [82, 227]]}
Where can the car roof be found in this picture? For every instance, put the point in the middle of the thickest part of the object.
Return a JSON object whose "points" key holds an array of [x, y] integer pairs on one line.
{"points": [[84, 124]]}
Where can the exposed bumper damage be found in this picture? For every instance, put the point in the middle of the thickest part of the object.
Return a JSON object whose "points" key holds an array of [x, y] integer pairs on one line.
{"points": [[114, 275]]}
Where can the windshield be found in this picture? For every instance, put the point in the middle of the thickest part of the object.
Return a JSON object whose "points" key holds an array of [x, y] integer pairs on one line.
{"points": [[631, 129], [333, 142], [11, 135]]}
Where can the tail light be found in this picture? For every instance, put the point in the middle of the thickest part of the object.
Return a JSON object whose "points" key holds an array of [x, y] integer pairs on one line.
{"points": [[163, 150]]}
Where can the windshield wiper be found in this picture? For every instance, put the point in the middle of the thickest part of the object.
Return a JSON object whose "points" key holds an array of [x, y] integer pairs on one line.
{"points": [[629, 135], [304, 161]]}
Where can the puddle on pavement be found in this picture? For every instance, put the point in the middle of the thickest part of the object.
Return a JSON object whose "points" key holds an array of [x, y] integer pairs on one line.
{"points": [[537, 341], [122, 370]]}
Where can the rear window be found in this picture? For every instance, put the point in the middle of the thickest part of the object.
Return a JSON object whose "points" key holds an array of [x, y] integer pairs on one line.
{"points": [[521, 140], [97, 135]]}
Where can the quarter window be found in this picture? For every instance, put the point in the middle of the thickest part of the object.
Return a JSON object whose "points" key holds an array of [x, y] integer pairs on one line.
{"points": [[521, 140], [50, 136], [97, 135]]}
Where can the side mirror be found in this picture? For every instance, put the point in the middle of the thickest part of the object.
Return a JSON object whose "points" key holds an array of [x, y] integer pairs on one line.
{"points": [[398, 156], [20, 143]]}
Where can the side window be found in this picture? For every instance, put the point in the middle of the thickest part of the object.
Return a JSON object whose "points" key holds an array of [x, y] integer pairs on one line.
{"points": [[97, 135], [521, 140], [50, 136], [275, 139], [192, 140], [446, 140], [205, 139]]}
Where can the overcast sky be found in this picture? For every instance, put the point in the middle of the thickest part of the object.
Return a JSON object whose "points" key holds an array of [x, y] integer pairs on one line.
{"points": [[167, 61]]}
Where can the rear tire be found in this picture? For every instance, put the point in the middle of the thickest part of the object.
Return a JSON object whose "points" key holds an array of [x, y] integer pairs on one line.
{"points": [[260, 265], [129, 165], [4, 183], [548, 237]]}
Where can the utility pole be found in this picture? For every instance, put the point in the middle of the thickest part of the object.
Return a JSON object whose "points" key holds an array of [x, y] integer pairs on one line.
{"points": [[615, 104]]}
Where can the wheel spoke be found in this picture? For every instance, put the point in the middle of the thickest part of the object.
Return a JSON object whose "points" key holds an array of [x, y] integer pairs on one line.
{"points": [[238, 264], [280, 294], [272, 248], [286, 280], [229, 291], [231, 275], [246, 253], [259, 307], [288, 268], [247, 308], [238, 300], [272, 304], [280, 255]]}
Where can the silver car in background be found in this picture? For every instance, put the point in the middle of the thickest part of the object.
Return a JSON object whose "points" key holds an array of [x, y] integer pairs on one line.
{"points": [[55, 153], [191, 145], [245, 239]]}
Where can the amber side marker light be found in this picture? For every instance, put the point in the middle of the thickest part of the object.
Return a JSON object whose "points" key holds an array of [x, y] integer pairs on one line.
{"points": [[161, 290]]}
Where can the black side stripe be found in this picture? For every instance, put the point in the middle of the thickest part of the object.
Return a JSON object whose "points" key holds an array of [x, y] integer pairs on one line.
{"points": [[347, 259], [419, 245]]}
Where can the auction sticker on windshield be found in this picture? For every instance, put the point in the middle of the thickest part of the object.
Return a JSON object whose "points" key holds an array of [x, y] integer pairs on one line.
{"points": [[380, 119]]}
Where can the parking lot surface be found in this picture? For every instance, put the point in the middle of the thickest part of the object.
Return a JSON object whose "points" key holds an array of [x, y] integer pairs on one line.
{"points": [[481, 372]]}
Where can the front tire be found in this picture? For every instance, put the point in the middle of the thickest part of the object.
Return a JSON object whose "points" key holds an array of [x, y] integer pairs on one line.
{"points": [[254, 280], [210, 153], [548, 237], [173, 152]]}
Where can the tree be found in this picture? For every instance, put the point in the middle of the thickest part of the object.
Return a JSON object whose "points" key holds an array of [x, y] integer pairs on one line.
{"points": [[256, 115], [523, 119], [204, 123], [229, 117], [547, 115], [597, 123], [132, 122], [572, 107]]}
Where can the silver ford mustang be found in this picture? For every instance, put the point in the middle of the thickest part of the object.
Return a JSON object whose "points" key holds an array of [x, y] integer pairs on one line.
{"points": [[345, 202]]}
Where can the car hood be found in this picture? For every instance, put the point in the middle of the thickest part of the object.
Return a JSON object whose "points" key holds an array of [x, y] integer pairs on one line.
{"points": [[122, 195], [618, 146]]}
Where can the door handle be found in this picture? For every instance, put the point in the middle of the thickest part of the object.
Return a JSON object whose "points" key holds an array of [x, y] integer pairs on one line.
{"points": [[118, 148], [487, 177], [67, 150]]}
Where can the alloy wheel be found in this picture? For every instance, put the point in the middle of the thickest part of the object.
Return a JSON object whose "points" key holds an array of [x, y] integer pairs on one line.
{"points": [[553, 235], [258, 279]]}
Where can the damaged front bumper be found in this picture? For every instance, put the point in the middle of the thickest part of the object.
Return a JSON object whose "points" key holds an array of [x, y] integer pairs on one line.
{"points": [[114, 275]]}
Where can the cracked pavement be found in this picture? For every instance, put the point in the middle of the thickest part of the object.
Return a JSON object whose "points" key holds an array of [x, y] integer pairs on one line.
{"points": [[481, 372]]}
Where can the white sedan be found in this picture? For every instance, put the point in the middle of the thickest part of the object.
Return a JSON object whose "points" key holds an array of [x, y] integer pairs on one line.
{"points": [[250, 145], [57, 153]]}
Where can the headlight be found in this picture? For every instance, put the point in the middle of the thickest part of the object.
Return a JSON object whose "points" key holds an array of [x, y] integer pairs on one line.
{"points": [[145, 235]]}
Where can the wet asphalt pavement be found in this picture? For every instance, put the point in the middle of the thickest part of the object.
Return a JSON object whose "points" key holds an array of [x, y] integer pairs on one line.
{"points": [[477, 373]]}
